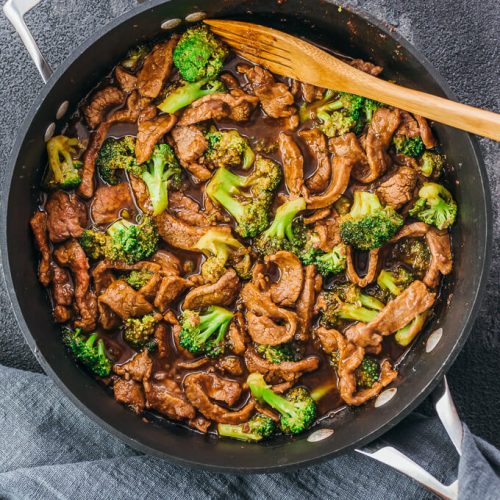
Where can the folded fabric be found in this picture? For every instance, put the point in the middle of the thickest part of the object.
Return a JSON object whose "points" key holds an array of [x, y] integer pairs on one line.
{"points": [[49, 449]]}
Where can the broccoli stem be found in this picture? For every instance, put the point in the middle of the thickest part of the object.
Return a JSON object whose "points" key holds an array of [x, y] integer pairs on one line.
{"points": [[357, 313], [282, 223], [371, 302]]}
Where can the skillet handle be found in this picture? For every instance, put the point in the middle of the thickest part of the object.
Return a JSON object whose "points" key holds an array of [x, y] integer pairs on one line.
{"points": [[15, 10], [447, 413]]}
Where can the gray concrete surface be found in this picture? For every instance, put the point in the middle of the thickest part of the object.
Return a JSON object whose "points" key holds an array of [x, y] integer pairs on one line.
{"points": [[459, 37]]}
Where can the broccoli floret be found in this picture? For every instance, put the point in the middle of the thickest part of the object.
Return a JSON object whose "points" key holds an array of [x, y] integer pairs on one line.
{"points": [[297, 410], [181, 94], [408, 146], [259, 427], [205, 332], [369, 225], [346, 302], [248, 199], [431, 163], [131, 242], [88, 352], [435, 206], [138, 331], [276, 353], [94, 243], [367, 373], [116, 154], [228, 149], [221, 248], [199, 54], [63, 168], [135, 56], [332, 262], [158, 174], [369, 107], [413, 252], [282, 234], [395, 281], [138, 278]]}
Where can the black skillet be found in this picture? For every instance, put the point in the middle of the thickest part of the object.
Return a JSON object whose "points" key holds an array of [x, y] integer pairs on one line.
{"points": [[347, 31]]}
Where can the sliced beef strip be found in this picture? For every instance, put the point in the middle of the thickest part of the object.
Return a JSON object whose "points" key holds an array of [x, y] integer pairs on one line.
{"points": [[172, 320], [221, 389], [384, 124], [66, 216], [293, 164], [39, 227], [327, 231], [305, 304], [398, 188], [139, 368], [72, 256], [196, 387], [328, 338], [371, 274], [149, 133], [236, 334], [316, 143], [130, 393], [348, 154], [311, 93], [124, 301], [199, 423], [263, 315], [102, 101], [275, 97], [439, 246], [166, 397], [156, 68], [190, 145], [286, 290], [109, 201], [186, 209], [221, 293], [63, 293], [398, 312], [274, 373], [230, 365], [170, 287], [408, 126], [141, 194], [425, 132], [125, 80], [366, 67]]}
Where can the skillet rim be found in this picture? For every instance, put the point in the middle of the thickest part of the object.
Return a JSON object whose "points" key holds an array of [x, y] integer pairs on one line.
{"points": [[462, 336]]}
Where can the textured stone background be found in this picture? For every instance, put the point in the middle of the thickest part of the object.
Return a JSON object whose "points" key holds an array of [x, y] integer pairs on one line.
{"points": [[461, 40]]}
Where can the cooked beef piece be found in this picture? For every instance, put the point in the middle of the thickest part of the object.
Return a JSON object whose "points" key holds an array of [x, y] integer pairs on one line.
{"points": [[168, 262], [221, 293], [408, 125], [198, 385], [327, 231], [311, 93], [130, 393], [166, 397], [317, 215], [293, 164], [108, 320], [109, 201], [125, 80], [398, 188], [149, 133], [201, 424], [274, 373], [398, 312], [371, 274], [367, 67], [193, 364], [425, 132], [384, 123], [439, 246], [39, 227], [221, 389], [72, 256], [102, 101], [186, 209], [156, 68], [316, 143], [66, 216], [305, 304], [124, 301], [177, 233], [190, 145], [286, 290], [348, 155], [236, 106], [62, 293], [141, 194], [161, 340], [328, 338], [263, 316], [230, 365], [276, 99], [170, 318], [236, 334], [139, 368], [170, 287]]}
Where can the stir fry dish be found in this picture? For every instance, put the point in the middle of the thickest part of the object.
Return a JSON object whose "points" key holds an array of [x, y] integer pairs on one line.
{"points": [[241, 253]]}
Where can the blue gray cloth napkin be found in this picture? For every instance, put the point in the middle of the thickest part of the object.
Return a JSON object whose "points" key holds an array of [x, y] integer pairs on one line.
{"points": [[49, 449]]}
